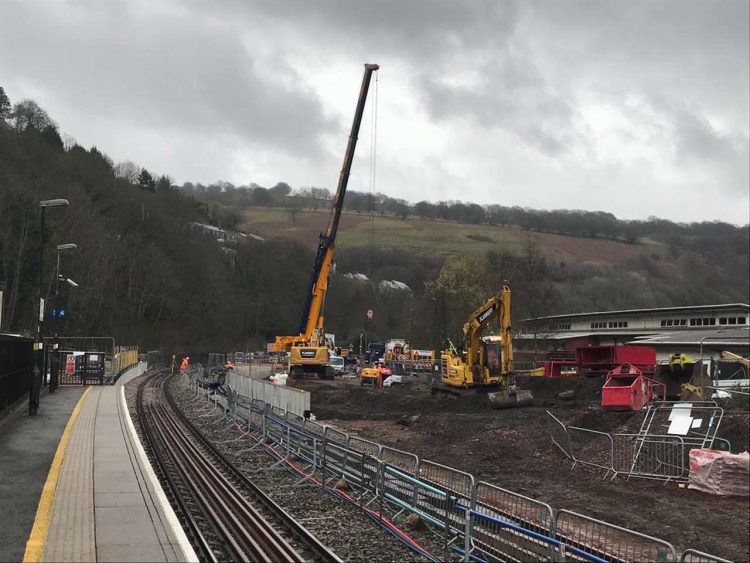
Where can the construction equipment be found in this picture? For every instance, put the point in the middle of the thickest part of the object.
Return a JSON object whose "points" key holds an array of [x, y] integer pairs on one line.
{"points": [[627, 389], [486, 362], [308, 353]]}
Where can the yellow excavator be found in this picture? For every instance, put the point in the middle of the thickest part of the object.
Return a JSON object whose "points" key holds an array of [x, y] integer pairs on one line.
{"points": [[486, 362], [308, 353]]}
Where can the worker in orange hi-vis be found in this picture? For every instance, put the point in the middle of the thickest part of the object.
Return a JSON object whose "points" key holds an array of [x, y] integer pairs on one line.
{"points": [[184, 364]]}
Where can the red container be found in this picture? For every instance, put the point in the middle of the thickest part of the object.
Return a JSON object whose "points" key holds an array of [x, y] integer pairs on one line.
{"points": [[602, 359], [627, 389]]}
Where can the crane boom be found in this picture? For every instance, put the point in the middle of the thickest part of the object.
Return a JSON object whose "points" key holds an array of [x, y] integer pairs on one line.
{"points": [[318, 283], [311, 320]]}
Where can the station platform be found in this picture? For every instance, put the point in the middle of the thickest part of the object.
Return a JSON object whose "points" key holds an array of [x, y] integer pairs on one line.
{"points": [[99, 499]]}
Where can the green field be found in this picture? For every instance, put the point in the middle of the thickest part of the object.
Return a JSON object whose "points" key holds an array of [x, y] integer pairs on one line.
{"points": [[419, 236]]}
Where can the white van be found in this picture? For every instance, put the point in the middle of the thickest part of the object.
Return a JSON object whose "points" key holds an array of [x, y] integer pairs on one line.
{"points": [[337, 363]]}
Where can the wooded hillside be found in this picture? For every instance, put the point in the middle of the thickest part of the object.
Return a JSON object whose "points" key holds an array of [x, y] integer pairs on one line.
{"points": [[148, 275]]}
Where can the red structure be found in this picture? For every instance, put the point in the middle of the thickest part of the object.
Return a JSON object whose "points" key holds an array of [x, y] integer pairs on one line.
{"points": [[627, 389], [598, 360]]}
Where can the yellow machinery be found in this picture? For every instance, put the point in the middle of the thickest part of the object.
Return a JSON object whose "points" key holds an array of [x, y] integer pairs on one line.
{"points": [[369, 376], [308, 353], [486, 361]]}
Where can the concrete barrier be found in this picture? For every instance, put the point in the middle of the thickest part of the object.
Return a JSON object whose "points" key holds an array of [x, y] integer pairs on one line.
{"points": [[287, 398]]}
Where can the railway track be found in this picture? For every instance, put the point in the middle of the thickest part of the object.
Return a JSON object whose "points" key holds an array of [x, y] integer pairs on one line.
{"points": [[225, 515]]}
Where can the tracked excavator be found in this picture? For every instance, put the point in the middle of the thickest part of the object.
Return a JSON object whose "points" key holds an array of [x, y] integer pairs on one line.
{"points": [[485, 363], [308, 353]]}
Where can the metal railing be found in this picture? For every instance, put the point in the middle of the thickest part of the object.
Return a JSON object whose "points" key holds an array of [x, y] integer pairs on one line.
{"points": [[608, 541], [651, 456], [479, 521]]}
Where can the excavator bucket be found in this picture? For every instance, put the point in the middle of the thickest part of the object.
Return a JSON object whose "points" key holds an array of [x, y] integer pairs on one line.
{"points": [[510, 399]]}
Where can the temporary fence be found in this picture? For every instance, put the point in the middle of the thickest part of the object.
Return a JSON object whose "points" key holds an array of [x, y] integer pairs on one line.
{"points": [[286, 398], [695, 556], [645, 455], [479, 521], [607, 541], [591, 447]]}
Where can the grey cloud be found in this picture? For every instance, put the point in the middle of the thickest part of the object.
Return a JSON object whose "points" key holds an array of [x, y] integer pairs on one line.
{"points": [[165, 71], [511, 95]]}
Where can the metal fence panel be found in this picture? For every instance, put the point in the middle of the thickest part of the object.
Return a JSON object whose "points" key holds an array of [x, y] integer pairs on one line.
{"points": [[591, 447], [450, 507], [334, 451], [333, 435], [405, 461], [500, 542], [275, 428], [608, 541], [364, 446], [658, 457], [295, 419], [695, 556], [559, 434], [303, 444], [398, 481], [313, 427], [365, 462]]}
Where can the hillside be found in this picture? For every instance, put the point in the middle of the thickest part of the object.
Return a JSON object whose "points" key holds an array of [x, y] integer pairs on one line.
{"points": [[439, 238], [585, 273], [146, 275]]}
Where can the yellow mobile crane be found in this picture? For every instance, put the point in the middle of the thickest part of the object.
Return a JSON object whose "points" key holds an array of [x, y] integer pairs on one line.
{"points": [[486, 361], [308, 353]]}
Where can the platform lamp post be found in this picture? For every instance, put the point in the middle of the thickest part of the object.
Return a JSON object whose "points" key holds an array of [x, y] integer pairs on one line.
{"points": [[54, 380], [38, 374]]}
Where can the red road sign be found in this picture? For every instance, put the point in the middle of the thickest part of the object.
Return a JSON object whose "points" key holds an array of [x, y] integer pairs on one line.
{"points": [[70, 364]]}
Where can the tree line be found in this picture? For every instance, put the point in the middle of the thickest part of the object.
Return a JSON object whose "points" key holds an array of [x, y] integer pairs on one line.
{"points": [[571, 222], [147, 276]]}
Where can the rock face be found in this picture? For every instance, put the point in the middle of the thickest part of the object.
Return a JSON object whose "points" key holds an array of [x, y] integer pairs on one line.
{"points": [[719, 473]]}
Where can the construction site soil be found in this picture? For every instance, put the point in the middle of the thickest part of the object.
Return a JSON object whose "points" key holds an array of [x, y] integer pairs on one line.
{"points": [[512, 449]]}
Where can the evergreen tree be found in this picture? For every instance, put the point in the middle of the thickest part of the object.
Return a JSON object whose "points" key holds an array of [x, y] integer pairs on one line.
{"points": [[4, 105], [146, 181]]}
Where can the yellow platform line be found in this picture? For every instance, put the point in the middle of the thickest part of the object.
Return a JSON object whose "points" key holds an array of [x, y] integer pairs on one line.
{"points": [[35, 543]]}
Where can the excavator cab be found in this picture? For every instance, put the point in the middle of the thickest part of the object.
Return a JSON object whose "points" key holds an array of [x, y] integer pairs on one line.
{"points": [[485, 362]]}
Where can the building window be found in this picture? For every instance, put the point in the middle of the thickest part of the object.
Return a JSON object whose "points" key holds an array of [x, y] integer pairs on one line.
{"points": [[732, 320], [663, 322]]}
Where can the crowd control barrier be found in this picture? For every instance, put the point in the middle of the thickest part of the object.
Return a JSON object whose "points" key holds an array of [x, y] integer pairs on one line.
{"points": [[478, 521]]}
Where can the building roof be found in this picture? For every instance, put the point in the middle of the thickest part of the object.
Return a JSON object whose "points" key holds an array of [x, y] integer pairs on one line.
{"points": [[630, 312], [722, 337], [572, 335]]}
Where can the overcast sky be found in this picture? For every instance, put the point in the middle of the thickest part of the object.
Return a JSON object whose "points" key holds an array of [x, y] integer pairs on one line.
{"points": [[636, 108]]}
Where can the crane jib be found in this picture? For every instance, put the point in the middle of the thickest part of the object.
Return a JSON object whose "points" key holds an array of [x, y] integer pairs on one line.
{"points": [[309, 314]]}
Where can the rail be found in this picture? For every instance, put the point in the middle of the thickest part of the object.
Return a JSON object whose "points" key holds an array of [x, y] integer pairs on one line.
{"points": [[218, 492], [479, 521]]}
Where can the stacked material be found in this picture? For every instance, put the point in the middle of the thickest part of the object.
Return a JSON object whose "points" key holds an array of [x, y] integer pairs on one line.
{"points": [[719, 473]]}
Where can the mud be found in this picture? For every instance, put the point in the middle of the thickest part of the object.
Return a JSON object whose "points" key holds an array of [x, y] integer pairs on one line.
{"points": [[512, 449]]}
